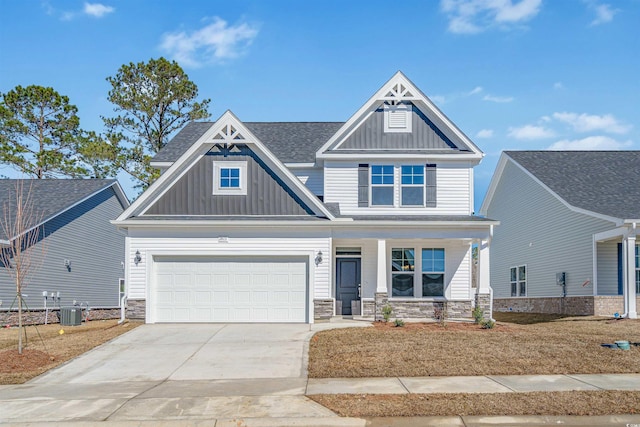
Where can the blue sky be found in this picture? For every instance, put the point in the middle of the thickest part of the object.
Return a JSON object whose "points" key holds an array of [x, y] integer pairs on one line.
{"points": [[512, 74]]}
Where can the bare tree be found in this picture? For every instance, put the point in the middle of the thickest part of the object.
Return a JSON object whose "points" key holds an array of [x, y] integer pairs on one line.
{"points": [[21, 227]]}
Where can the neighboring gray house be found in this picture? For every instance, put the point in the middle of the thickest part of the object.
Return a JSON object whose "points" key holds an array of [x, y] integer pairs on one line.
{"points": [[571, 212], [297, 222], [83, 253]]}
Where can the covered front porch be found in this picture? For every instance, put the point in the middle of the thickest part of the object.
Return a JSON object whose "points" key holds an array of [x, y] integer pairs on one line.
{"points": [[419, 273]]}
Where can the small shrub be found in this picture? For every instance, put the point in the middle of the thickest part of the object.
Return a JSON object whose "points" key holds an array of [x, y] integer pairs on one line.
{"points": [[487, 324], [386, 312], [440, 313], [399, 323], [477, 314]]}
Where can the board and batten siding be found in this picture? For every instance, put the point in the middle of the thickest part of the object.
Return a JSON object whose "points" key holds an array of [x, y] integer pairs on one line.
{"points": [[139, 275], [453, 190], [608, 268], [312, 178], [84, 236], [538, 230]]}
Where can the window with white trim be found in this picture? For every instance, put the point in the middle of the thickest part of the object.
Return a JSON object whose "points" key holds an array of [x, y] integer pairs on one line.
{"points": [[230, 178], [382, 185], [417, 277], [397, 118], [402, 272], [412, 185], [433, 272], [519, 281]]}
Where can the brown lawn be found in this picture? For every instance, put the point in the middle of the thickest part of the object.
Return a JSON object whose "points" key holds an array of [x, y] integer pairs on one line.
{"points": [[46, 348], [543, 346]]}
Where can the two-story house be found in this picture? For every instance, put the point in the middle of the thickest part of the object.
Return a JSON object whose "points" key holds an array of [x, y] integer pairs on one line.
{"points": [[294, 222]]}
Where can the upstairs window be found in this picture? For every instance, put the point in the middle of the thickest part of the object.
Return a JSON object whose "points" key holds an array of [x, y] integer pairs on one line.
{"points": [[519, 281], [412, 183], [397, 118], [382, 185], [230, 178]]}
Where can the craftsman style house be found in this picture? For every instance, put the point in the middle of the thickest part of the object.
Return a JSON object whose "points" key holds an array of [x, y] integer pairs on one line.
{"points": [[567, 241], [295, 222]]}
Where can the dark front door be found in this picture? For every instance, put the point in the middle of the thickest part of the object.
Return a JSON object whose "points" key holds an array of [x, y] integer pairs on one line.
{"points": [[347, 282]]}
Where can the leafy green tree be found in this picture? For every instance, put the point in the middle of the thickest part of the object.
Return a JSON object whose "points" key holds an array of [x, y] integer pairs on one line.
{"points": [[152, 101], [40, 135]]}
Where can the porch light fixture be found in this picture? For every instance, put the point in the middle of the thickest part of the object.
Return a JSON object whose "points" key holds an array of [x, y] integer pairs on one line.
{"points": [[319, 258], [137, 258]]}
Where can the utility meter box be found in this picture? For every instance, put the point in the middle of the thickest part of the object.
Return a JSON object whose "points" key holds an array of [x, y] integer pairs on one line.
{"points": [[561, 279]]}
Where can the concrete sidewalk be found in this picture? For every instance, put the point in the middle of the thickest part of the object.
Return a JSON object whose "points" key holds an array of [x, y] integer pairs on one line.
{"points": [[479, 384]]}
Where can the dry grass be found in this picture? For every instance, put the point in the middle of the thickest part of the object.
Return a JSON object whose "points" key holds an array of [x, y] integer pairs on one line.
{"points": [[46, 348], [536, 403], [561, 346]]}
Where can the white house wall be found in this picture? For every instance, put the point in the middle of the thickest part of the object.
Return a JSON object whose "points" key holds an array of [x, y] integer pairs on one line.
{"points": [[454, 187], [139, 275], [608, 268], [312, 178], [538, 231]]}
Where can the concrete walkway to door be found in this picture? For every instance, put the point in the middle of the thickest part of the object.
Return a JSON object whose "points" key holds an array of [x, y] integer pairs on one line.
{"points": [[173, 372]]}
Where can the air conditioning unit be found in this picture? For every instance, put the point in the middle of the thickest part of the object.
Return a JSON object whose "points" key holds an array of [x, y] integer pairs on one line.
{"points": [[70, 316]]}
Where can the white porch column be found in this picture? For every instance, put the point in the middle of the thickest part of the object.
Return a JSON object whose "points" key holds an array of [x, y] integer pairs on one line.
{"points": [[484, 273], [629, 288], [381, 277]]}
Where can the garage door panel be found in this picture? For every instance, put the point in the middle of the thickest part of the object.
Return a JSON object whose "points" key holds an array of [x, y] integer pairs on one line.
{"points": [[218, 290]]}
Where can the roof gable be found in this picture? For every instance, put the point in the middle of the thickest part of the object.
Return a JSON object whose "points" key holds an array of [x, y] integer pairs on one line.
{"points": [[226, 133], [363, 132], [601, 182], [52, 197]]}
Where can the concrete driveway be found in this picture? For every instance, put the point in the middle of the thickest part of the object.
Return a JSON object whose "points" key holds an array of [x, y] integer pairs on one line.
{"points": [[176, 372]]}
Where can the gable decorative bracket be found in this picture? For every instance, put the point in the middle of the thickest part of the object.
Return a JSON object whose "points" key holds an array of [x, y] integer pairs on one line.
{"points": [[228, 133], [397, 93]]}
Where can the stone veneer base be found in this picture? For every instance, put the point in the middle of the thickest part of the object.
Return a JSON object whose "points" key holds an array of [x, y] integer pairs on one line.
{"points": [[600, 305], [37, 317]]}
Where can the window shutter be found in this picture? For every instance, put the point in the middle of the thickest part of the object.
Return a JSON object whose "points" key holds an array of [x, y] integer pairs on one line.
{"points": [[431, 186], [363, 185]]}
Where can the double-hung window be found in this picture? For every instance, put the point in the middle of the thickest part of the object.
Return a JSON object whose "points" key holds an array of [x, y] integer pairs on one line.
{"points": [[412, 185], [433, 272], [382, 185], [519, 281], [402, 272]]}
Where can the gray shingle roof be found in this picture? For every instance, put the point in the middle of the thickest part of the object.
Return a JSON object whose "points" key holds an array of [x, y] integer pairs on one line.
{"points": [[50, 196], [605, 182], [291, 142]]}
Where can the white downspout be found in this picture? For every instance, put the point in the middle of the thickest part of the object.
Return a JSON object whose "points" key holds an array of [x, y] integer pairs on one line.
{"points": [[123, 302], [627, 274]]}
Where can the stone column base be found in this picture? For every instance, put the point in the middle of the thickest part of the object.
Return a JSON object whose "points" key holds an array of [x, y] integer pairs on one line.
{"points": [[136, 309], [323, 308], [484, 302]]}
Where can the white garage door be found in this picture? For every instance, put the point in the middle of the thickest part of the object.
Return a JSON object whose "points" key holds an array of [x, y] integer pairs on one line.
{"points": [[205, 289]]}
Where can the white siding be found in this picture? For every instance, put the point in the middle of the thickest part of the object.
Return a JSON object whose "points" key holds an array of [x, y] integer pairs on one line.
{"points": [[608, 268], [313, 178], [139, 276], [453, 189], [536, 229]]}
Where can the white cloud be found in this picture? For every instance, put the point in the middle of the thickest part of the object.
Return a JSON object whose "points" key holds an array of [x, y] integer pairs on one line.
{"points": [[476, 90], [438, 99], [97, 10], [588, 122], [499, 99], [474, 16], [558, 85], [530, 132], [604, 12], [485, 133], [211, 43], [590, 143]]}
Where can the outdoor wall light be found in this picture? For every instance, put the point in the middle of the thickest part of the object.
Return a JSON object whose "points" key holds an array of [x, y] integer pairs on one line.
{"points": [[137, 258], [319, 258], [67, 263]]}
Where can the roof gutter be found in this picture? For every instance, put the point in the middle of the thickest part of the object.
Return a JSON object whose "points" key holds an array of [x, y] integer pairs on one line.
{"points": [[286, 223]]}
